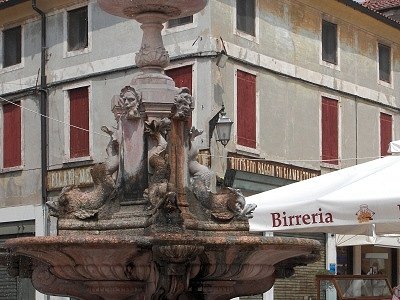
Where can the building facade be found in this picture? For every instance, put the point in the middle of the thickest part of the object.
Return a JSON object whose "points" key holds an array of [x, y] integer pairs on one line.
{"points": [[311, 85]]}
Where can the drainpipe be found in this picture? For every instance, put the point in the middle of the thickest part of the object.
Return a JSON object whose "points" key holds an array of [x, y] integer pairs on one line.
{"points": [[43, 102]]}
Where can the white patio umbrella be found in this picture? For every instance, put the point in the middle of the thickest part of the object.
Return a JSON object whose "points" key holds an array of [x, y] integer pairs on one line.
{"points": [[391, 241], [359, 200]]}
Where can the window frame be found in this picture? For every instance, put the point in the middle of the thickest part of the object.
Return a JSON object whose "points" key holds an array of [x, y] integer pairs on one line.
{"points": [[236, 31], [88, 49], [67, 157], [22, 164], [241, 148], [22, 63], [384, 82], [322, 62], [339, 120], [180, 28]]}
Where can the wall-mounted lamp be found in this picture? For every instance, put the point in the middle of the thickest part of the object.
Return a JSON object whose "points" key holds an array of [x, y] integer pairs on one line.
{"points": [[223, 125], [222, 57]]}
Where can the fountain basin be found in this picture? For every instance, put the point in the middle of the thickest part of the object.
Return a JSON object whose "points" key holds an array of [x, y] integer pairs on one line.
{"points": [[111, 267], [172, 9]]}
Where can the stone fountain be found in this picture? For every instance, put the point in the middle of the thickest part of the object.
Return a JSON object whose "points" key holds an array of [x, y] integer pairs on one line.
{"points": [[152, 228]]}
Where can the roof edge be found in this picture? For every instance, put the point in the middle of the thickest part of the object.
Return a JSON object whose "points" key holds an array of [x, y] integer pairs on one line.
{"points": [[372, 13], [10, 3]]}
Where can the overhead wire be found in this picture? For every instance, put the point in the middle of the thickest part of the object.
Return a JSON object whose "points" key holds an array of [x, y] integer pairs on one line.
{"points": [[53, 119], [200, 154]]}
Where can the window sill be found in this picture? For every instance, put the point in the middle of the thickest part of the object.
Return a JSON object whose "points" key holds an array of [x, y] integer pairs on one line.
{"points": [[11, 68], [385, 84], [330, 166], [330, 65], [247, 36], [11, 169], [179, 28], [78, 161], [247, 150], [77, 52]]}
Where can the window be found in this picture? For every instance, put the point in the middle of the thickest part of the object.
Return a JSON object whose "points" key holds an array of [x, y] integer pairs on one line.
{"points": [[246, 16], [17, 288], [384, 63], [77, 29], [329, 42], [246, 110], [12, 135], [11, 46], [386, 132], [330, 131], [183, 78], [180, 21], [79, 118]]}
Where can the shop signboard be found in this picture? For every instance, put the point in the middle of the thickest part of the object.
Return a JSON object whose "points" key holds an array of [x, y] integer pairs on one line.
{"points": [[269, 168]]}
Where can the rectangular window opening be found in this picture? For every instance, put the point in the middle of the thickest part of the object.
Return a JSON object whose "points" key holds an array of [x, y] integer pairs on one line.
{"points": [[384, 63], [12, 46], [78, 29], [330, 131], [79, 121], [180, 21], [12, 135], [246, 16], [329, 42]]}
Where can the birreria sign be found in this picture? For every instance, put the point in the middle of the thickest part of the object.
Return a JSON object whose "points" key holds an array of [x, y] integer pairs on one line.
{"points": [[284, 220], [269, 168]]}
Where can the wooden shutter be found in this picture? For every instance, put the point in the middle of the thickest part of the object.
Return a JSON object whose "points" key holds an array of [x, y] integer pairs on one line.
{"points": [[246, 109], [11, 135], [330, 131], [183, 78], [79, 117], [386, 132]]}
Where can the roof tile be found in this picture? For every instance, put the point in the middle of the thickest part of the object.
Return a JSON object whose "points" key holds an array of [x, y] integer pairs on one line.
{"points": [[381, 4]]}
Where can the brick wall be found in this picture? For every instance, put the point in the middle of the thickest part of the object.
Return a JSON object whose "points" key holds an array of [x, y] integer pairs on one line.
{"points": [[302, 284]]}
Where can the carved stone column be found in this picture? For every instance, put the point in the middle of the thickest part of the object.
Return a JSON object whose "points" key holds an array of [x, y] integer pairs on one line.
{"points": [[152, 55]]}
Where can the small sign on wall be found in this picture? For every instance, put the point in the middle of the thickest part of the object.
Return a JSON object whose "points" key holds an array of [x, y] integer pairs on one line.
{"points": [[58, 179]]}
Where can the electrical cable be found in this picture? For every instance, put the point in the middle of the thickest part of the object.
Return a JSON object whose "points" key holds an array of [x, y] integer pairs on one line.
{"points": [[53, 119]]}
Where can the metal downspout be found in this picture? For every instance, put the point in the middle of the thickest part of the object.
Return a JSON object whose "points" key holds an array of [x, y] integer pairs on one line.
{"points": [[43, 102]]}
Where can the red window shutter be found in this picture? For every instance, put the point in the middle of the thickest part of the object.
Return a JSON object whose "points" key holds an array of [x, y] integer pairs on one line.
{"points": [[11, 135], [246, 109], [330, 131], [183, 78], [79, 117], [386, 132]]}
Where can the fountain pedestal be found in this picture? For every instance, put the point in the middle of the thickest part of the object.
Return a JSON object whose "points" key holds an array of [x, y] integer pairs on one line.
{"points": [[152, 228]]}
